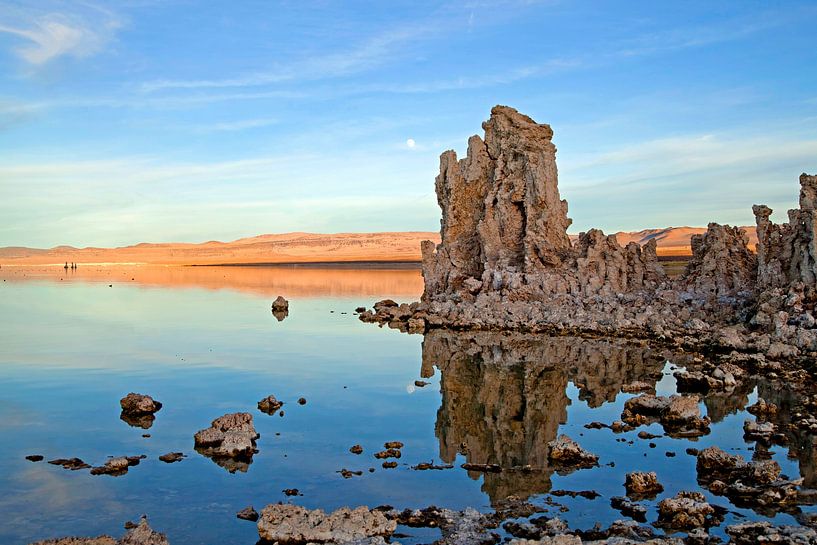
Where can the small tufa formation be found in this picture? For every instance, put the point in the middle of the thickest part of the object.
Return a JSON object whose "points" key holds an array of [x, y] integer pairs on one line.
{"points": [[685, 511], [565, 453], [270, 405], [290, 524], [679, 415], [138, 410], [229, 441], [641, 484], [118, 465], [280, 308]]}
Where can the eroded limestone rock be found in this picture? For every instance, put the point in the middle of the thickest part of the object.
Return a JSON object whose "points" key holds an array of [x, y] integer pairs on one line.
{"points": [[295, 524], [229, 441]]}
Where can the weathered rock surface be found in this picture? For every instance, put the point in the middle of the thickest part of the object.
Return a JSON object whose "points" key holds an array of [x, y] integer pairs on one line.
{"points": [[565, 453], [753, 533], [294, 524], [229, 441], [685, 511], [270, 405], [136, 404], [757, 483], [679, 415], [140, 534], [642, 484], [280, 304]]}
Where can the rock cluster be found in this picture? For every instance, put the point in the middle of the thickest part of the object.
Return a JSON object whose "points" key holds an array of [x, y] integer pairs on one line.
{"points": [[505, 261], [685, 511], [642, 484], [679, 415], [229, 441], [565, 453], [139, 534]]}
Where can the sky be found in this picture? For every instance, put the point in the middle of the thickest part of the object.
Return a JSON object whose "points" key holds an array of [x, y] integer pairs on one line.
{"points": [[162, 121]]}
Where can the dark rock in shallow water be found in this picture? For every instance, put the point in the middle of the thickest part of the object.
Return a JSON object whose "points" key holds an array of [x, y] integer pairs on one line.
{"points": [[388, 453], [135, 404], [280, 304], [565, 453], [270, 405], [356, 449], [642, 484], [34, 458], [301, 401], [73, 464], [629, 508], [171, 457], [229, 441], [117, 466], [248, 513]]}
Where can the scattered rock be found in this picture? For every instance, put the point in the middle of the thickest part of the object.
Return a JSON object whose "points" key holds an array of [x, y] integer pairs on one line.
{"points": [[301, 401], [280, 304], [270, 405], [629, 508], [685, 511], [138, 534], [73, 464], [389, 465], [292, 492], [679, 415], [171, 457], [356, 449], [138, 410], [565, 453], [392, 445], [34, 458], [248, 513], [292, 524], [421, 383], [642, 484], [348, 474], [117, 466], [423, 466], [752, 533], [229, 441], [388, 453]]}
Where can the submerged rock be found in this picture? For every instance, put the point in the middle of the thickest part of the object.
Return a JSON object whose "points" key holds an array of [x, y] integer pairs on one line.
{"points": [[73, 464], [229, 441], [292, 524]]}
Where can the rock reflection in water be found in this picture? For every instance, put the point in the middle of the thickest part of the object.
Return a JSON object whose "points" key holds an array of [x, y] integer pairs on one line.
{"points": [[504, 396]]}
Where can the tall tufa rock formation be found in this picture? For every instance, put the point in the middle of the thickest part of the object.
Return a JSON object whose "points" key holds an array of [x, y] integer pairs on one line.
{"points": [[504, 224]]}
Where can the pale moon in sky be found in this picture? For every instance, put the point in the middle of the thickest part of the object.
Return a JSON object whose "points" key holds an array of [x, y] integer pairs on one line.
{"points": [[411, 143]]}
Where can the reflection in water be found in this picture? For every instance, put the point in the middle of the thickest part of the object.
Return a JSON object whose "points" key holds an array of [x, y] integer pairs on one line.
{"points": [[505, 395], [269, 281]]}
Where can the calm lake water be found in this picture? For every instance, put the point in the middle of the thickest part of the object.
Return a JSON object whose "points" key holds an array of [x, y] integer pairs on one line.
{"points": [[203, 342]]}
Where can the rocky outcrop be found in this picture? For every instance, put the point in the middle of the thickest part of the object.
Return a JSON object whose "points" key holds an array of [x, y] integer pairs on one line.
{"points": [[505, 262], [229, 441], [293, 524], [139, 534], [138, 410]]}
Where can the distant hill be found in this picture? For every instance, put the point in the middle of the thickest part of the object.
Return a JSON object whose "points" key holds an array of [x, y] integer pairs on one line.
{"points": [[302, 248]]}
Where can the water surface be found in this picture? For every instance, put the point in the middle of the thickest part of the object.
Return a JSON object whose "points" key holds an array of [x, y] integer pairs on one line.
{"points": [[203, 341]]}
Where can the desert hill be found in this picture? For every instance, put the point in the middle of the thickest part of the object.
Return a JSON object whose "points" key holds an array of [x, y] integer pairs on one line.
{"points": [[301, 248]]}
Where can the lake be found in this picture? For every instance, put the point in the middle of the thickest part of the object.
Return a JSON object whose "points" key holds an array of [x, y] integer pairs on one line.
{"points": [[204, 342]]}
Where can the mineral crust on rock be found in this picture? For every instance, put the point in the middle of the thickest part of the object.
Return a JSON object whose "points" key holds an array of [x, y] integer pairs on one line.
{"points": [[284, 524], [229, 441]]}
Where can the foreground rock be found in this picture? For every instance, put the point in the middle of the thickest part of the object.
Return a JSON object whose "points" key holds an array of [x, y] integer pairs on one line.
{"points": [[138, 410], [679, 415], [505, 261], [754, 484], [687, 510], [141, 534], [642, 485], [565, 453], [291, 524], [229, 441], [752, 533]]}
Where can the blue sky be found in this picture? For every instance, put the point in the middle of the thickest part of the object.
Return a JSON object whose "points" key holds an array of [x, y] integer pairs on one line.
{"points": [[158, 121]]}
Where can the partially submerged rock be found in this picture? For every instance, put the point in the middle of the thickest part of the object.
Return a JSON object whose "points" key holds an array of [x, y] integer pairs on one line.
{"points": [[565, 453], [641, 484], [139, 534], [679, 415], [73, 464], [629, 508], [280, 304], [685, 511], [172, 457], [757, 483], [229, 441], [117, 466], [292, 524], [270, 405], [138, 410], [248, 513]]}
